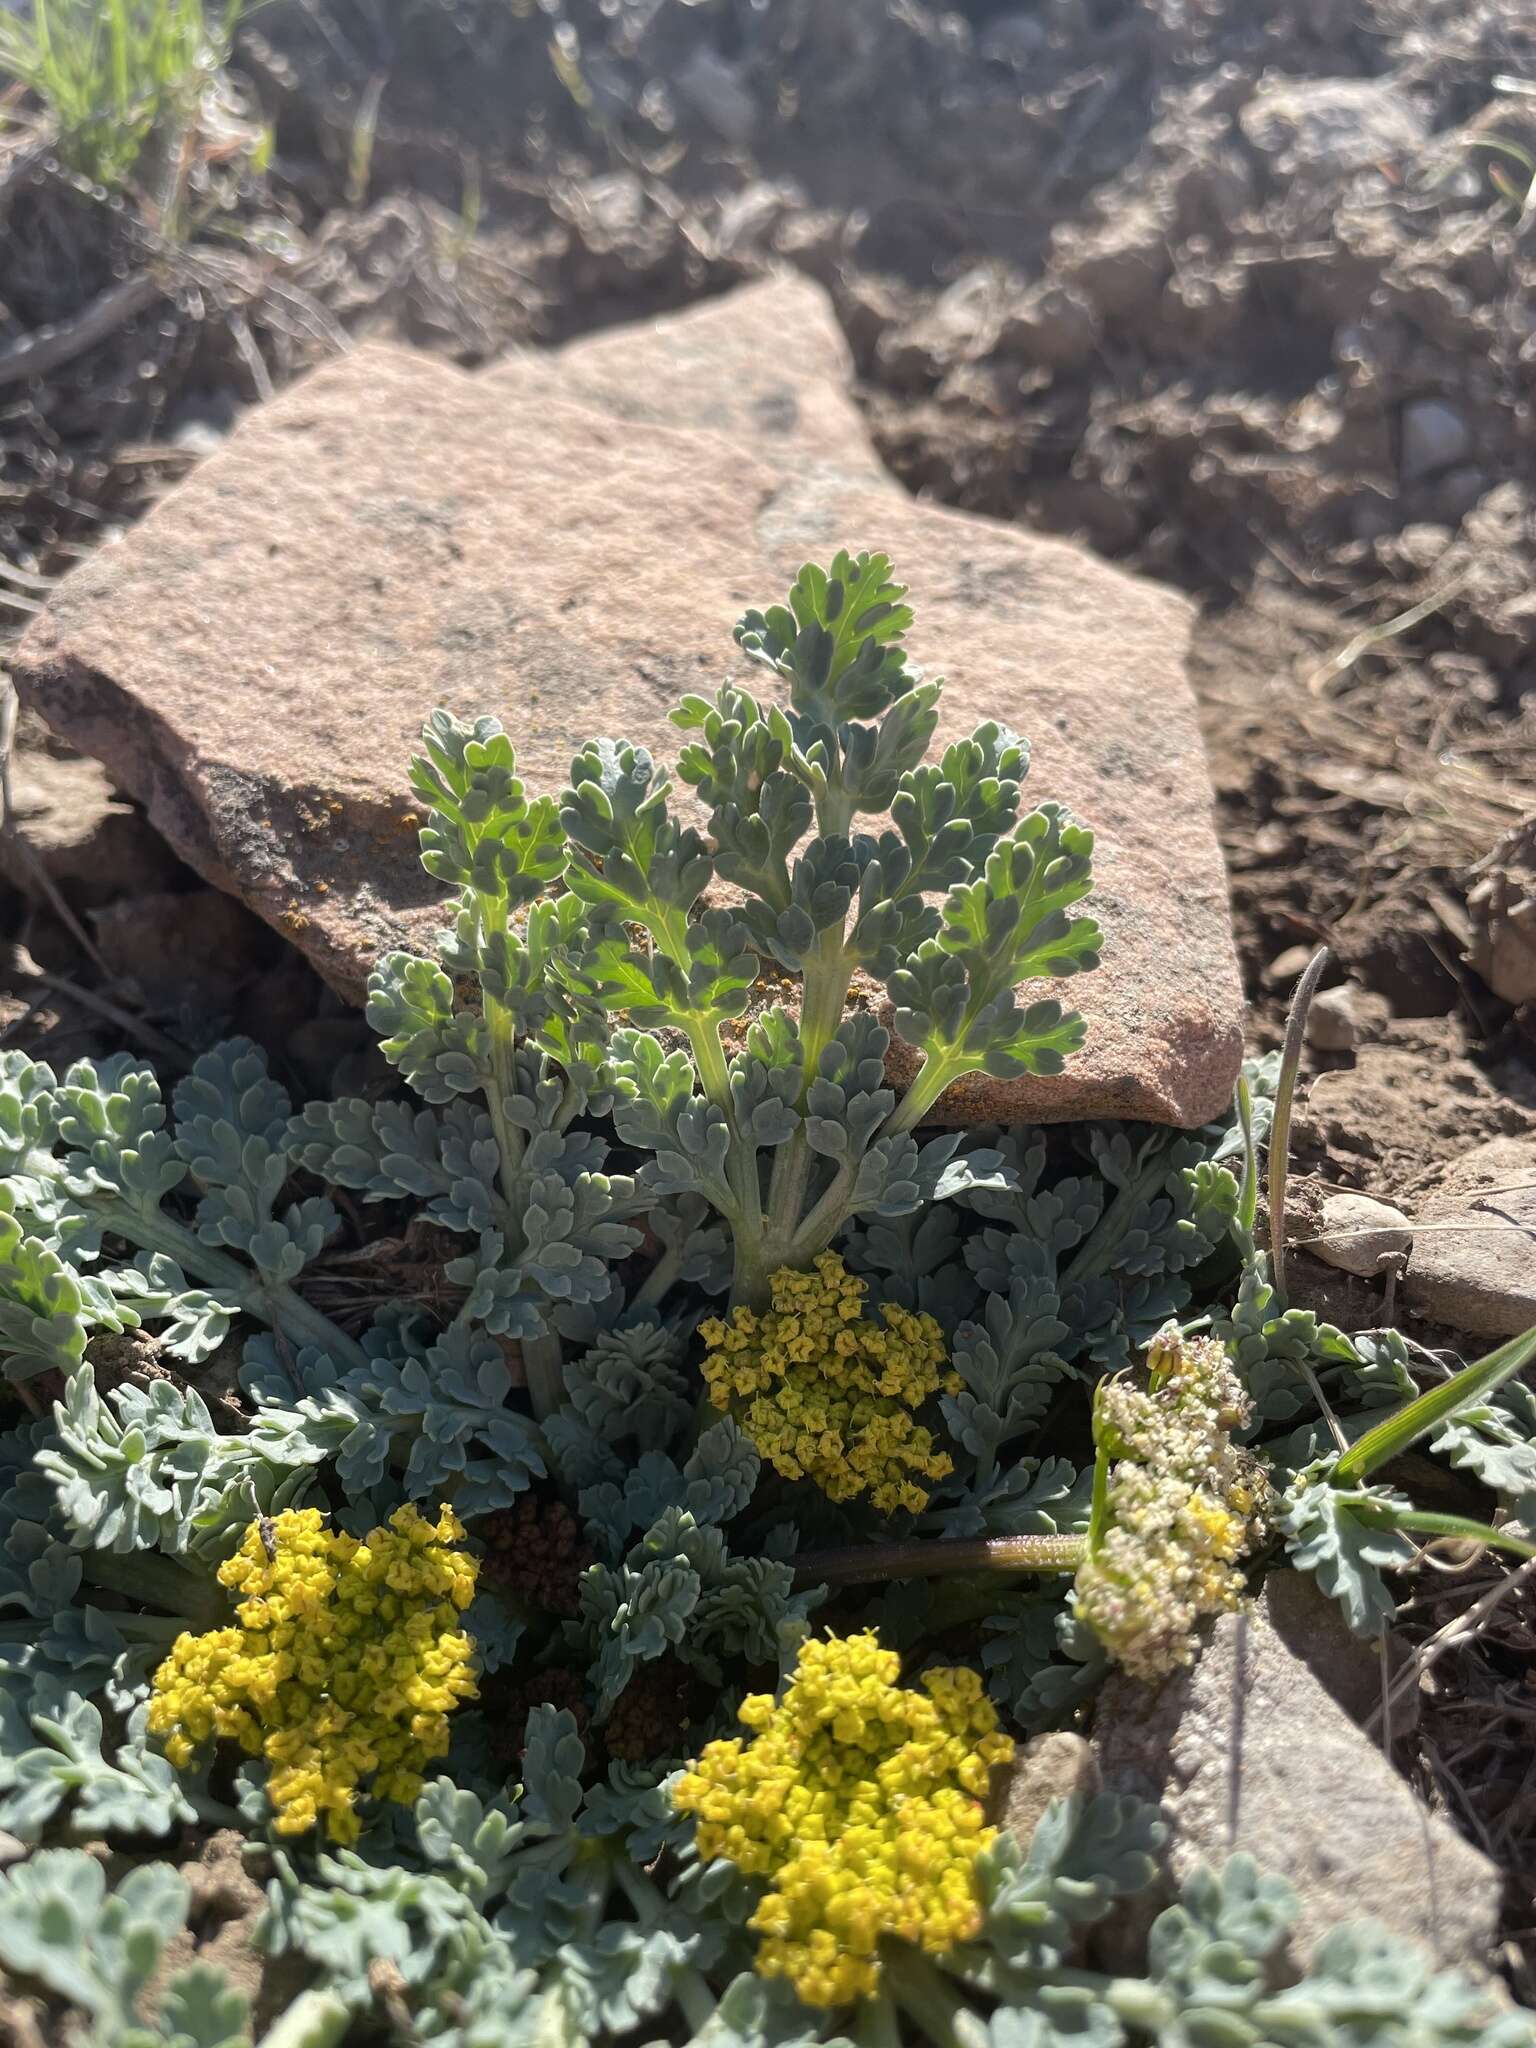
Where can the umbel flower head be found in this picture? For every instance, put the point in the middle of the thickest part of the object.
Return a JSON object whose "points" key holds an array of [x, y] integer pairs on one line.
{"points": [[828, 1394], [860, 1801], [1181, 1506], [343, 1666]]}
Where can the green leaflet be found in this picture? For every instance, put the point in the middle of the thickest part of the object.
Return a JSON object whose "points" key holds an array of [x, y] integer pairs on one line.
{"points": [[43, 1315]]}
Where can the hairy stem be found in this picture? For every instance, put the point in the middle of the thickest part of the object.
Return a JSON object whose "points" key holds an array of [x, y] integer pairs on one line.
{"points": [[823, 998], [1280, 1127], [928, 1084], [164, 1582], [863, 1564], [510, 1142], [1098, 1516], [923, 1994], [663, 1276], [879, 2023], [741, 1159], [272, 1302], [825, 1220], [542, 1362]]}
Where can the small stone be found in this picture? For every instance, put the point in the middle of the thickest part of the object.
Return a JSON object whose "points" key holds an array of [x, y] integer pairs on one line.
{"points": [[1341, 1017], [1288, 966], [11, 1850], [1475, 1269], [1360, 1235], [1435, 437], [1047, 1767], [1250, 1751]]}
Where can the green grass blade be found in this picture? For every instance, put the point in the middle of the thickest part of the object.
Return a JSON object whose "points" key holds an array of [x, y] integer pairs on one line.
{"points": [[1391, 1438]]}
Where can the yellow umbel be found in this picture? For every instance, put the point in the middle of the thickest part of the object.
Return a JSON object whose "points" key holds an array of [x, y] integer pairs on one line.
{"points": [[345, 1661], [827, 1394], [860, 1800]]}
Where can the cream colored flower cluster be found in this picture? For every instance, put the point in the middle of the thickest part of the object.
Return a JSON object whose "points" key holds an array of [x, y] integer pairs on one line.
{"points": [[1185, 1504]]}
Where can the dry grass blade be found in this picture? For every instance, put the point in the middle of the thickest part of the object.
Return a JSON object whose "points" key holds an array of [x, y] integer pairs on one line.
{"points": [[1339, 665]]}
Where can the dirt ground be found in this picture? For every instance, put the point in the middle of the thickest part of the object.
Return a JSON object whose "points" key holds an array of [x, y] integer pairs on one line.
{"points": [[1244, 297]]}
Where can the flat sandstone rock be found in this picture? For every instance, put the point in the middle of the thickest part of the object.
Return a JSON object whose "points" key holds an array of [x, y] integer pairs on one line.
{"points": [[1253, 1751], [1474, 1262], [765, 364], [255, 659]]}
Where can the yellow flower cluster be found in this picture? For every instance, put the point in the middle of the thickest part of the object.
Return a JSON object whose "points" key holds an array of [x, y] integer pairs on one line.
{"points": [[860, 1801], [346, 1661], [1184, 1503], [828, 1395]]}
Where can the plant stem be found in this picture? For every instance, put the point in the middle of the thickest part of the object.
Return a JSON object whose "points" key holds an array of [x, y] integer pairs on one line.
{"points": [[542, 1362], [928, 1084], [277, 1303], [824, 1221], [932, 1557], [1098, 1514], [786, 1190], [690, 1988], [741, 1158], [922, 1993], [272, 1302], [510, 1142], [1425, 1523], [662, 1276], [823, 996], [1280, 1128], [879, 2023], [162, 1581], [1248, 1193]]}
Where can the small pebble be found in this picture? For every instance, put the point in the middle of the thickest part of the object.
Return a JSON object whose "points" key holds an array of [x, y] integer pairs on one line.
{"points": [[1341, 1017], [1288, 966], [1360, 1234]]}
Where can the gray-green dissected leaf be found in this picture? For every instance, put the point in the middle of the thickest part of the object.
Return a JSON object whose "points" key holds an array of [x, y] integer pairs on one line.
{"points": [[838, 640], [138, 1794], [447, 1411], [1495, 1441], [1330, 1533], [61, 1929], [111, 1119], [483, 833], [146, 1470], [43, 1317], [553, 1759], [1083, 1856], [440, 1050], [232, 1131], [628, 855]]}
